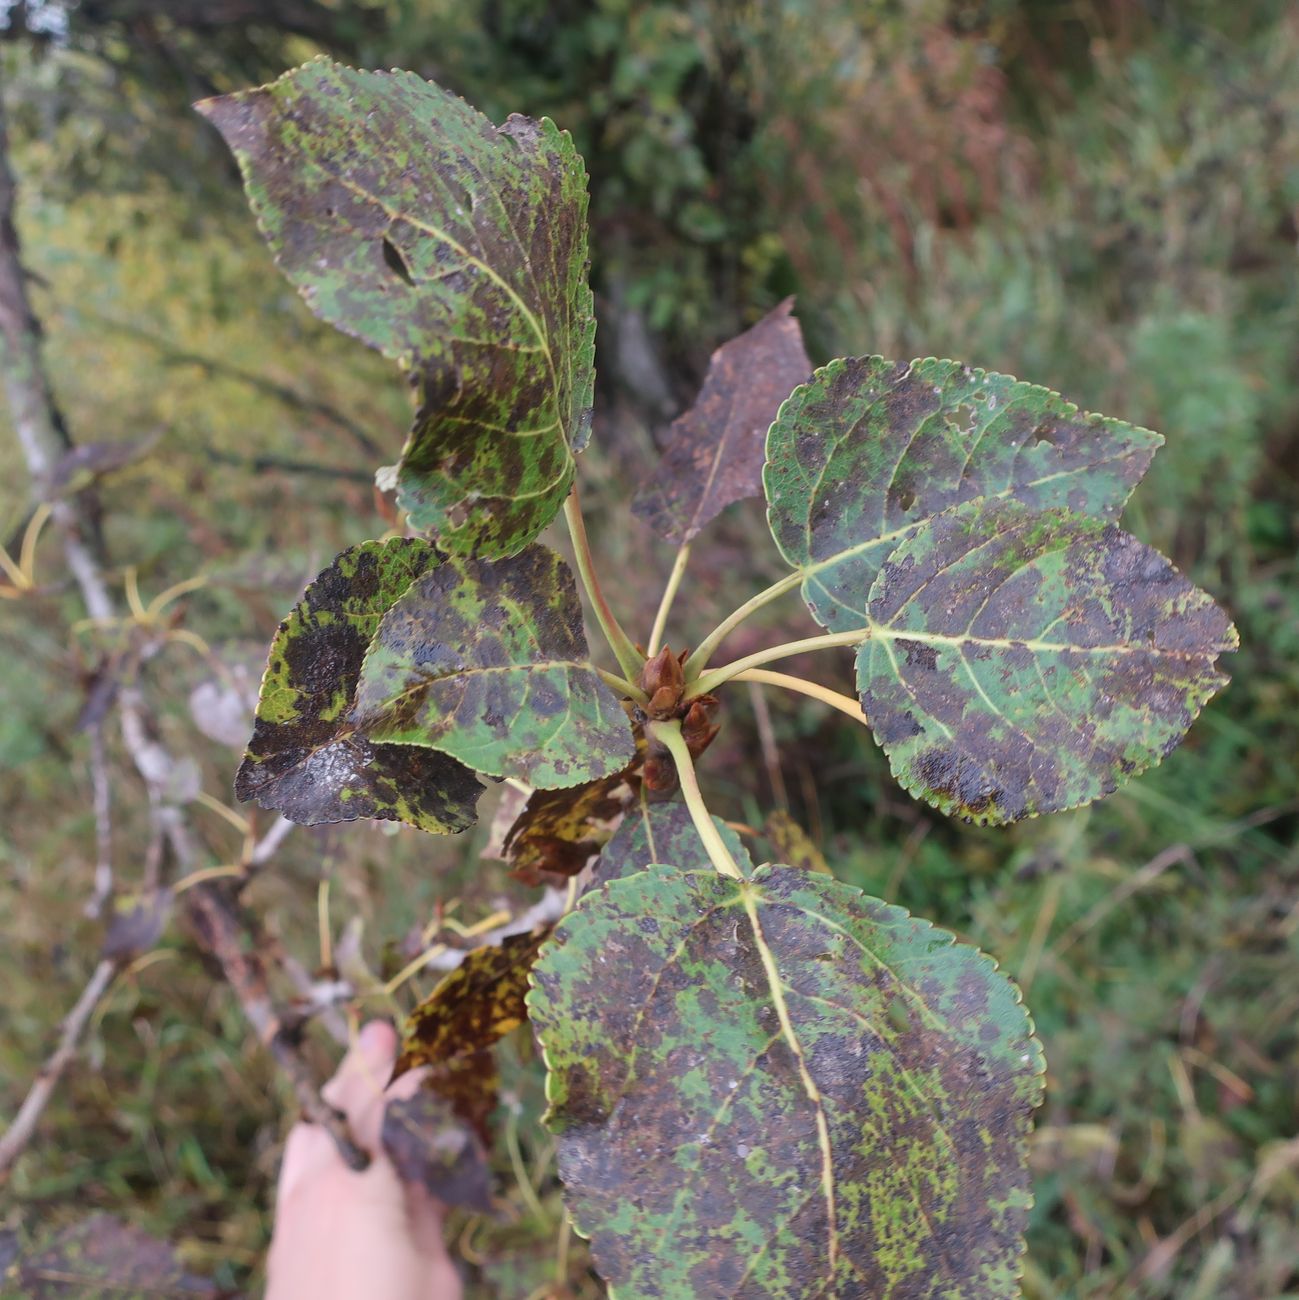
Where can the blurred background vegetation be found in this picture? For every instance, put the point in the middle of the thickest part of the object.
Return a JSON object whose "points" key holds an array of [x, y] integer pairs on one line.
{"points": [[1101, 196]]}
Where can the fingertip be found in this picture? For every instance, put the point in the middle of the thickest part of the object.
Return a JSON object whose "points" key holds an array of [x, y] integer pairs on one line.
{"points": [[378, 1040]]}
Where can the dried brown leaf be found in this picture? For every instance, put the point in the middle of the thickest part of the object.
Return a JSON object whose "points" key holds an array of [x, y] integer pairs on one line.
{"points": [[716, 449]]}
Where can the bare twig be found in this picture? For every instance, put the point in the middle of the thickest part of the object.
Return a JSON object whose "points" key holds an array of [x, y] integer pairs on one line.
{"points": [[265, 848], [213, 908], [103, 825], [222, 927], [770, 750], [1139, 880], [21, 1130], [550, 907]]}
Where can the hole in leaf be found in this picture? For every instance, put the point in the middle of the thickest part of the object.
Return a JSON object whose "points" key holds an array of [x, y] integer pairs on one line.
{"points": [[1046, 433], [396, 263], [963, 417], [905, 498]]}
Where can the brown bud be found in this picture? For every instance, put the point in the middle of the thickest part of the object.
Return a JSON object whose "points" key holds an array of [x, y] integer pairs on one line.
{"points": [[660, 774], [663, 680], [698, 728]]}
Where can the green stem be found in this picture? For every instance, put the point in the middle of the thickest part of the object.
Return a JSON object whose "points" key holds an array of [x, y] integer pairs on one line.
{"points": [[699, 660], [709, 682], [669, 735], [619, 642], [669, 595], [622, 685], [844, 703]]}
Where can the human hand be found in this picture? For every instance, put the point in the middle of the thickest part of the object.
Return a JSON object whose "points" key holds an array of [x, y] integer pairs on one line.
{"points": [[344, 1234]]}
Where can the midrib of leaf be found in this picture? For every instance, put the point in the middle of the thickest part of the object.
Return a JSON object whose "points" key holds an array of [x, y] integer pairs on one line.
{"points": [[492, 274], [809, 1084], [722, 444], [883, 632], [816, 566], [649, 828], [460, 673]]}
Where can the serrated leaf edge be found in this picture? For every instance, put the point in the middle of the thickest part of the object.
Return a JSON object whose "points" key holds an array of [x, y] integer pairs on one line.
{"points": [[895, 910]]}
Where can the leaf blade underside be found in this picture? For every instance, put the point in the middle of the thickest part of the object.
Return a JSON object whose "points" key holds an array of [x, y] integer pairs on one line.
{"points": [[715, 451], [304, 759], [1022, 662], [487, 661], [805, 1091], [868, 450], [407, 219]]}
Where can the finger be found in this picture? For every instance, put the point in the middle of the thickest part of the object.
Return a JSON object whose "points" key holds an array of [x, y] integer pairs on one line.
{"points": [[426, 1221], [357, 1089], [308, 1152]]}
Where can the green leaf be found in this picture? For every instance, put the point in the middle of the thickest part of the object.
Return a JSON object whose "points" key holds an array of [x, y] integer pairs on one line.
{"points": [[487, 661], [306, 759], [1023, 662], [781, 1087], [868, 450], [408, 220], [663, 832], [715, 450]]}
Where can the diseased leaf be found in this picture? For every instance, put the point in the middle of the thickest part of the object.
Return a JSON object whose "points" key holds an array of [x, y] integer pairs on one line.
{"points": [[306, 759], [715, 450], [430, 1147], [408, 220], [488, 662], [136, 923], [869, 449], [1023, 662], [470, 1084], [475, 1005], [558, 831], [102, 1257], [781, 1087], [663, 832], [792, 844]]}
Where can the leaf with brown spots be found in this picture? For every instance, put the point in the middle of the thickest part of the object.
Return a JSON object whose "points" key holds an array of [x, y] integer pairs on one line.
{"points": [[868, 450], [715, 450], [663, 831], [457, 247], [1025, 661], [306, 759], [559, 831], [477, 1004], [781, 1087], [487, 661]]}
